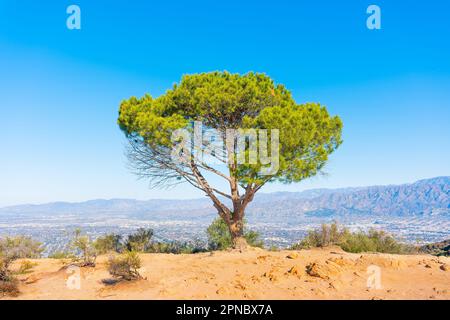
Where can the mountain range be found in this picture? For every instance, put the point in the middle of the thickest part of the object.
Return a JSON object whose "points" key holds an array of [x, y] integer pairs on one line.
{"points": [[428, 197]]}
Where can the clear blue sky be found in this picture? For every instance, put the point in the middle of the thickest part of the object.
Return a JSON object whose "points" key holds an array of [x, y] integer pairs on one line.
{"points": [[60, 89]]}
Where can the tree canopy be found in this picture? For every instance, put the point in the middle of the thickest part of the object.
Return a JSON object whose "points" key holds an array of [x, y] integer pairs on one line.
{"points": [[305, 136]]}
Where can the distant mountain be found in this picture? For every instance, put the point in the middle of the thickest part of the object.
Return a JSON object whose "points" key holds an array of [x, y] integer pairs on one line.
{"points": [[429, 197], [424, 197]]}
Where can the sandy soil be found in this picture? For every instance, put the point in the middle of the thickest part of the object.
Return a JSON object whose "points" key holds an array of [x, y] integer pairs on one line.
{"points": [[256, 274]]}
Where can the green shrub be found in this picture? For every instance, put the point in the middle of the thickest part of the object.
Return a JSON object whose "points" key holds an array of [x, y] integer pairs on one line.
{"points": [[374, 241], [83, 251], [5, 273], [139, 241], [219, 237], [20, 247], [61, 255], [11, 249], [125, 266], [108, 243], [26, 266], [327, 235], [274, 248], [177, 247], [371, 241], [437, 249]]}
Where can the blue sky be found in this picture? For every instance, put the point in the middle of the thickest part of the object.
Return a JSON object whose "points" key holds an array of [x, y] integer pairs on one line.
{"points": [[60, 89]]}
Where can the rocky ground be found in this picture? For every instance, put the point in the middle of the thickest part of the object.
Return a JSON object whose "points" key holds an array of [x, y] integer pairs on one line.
{"points": [[257, 274]]}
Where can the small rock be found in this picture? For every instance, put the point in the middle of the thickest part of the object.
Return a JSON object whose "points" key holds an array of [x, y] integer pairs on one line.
{"points": [[323, 270], [444, 267], [239, 285], [32, 279], [293, 255], [271, 276], [222, 290], [262, 258], [337, 285], [294, 271]]}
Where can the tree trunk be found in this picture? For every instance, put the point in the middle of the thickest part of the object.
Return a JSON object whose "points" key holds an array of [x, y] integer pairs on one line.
{"points": [[237, 235]]}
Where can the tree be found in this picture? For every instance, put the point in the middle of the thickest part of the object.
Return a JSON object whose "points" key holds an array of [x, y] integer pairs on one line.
{"points": [[246, 112], [126, 266], [11, 249], [84, 250], [219, 237], [139, 241], [108, 243]]}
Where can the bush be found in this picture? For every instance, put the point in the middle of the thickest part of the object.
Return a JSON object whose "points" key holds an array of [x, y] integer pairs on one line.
{"points": [[26, 266], [139, 241], [61, 255], [374, 241], [108, 243], [9, 287], [20, 247], [176, 247], [5, 272], [371, 241], [13, 248], [327, 235], [125, 266], [219, 237], [438, 249], [84, 252], [274, 248]]}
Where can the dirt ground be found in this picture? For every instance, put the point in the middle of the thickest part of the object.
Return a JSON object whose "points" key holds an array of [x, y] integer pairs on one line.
{"points": [[257, 274]]}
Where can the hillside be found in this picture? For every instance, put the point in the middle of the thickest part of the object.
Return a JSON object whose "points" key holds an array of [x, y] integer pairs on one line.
{"points": [[256, 274]]}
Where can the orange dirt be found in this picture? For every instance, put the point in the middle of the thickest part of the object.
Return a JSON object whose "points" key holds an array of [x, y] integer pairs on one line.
{"points": [[256, 274]]}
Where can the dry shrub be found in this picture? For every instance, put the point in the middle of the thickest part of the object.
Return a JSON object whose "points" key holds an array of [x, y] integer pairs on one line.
{"points": [[26, 266], [9, 288], [125, 266]]}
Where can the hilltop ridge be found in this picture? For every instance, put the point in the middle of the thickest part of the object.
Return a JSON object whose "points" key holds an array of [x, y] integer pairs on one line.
{"points": [[327, 273]]}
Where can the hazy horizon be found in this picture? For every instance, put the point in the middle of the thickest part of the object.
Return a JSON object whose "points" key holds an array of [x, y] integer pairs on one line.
{"points": [[204, 197]]}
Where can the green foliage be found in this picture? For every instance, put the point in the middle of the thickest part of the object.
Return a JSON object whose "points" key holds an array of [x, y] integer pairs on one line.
{"points": [[20, 247], [327, 235], [13, 248], [371, 241], [274, 248], [5, 273], [61, 255], [176, 247], [83, 249], [308, 134], [108, 243], [219, 237], [126, 266], [438, 249], [375, 241], [26, 266], [139, 241]]}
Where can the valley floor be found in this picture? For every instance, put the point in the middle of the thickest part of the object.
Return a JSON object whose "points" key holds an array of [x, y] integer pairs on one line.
{"points": [[257, 274]]}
